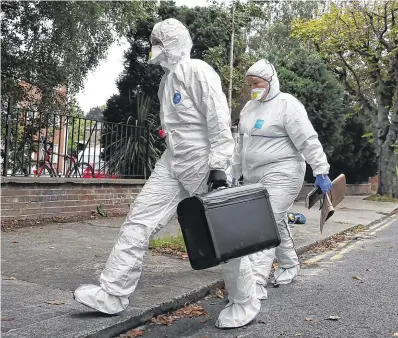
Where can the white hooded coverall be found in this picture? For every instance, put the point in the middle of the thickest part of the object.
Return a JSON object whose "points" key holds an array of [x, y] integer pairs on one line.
{"points": [[195, 117], [275, 139]]}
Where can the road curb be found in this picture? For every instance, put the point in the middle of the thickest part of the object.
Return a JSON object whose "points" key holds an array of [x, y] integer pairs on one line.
{"points": [[303, 249], [193, 296], [146, 315]]}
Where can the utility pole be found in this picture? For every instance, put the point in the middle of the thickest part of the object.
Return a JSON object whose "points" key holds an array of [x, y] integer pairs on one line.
{"points": [[231, 59]]}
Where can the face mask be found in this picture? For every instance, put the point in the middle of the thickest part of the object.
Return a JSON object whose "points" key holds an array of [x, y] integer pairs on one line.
{"points": [[156, 55], [258, 93]]}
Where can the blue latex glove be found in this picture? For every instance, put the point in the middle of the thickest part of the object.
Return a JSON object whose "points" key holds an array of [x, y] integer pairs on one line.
{"points": [[324, 183]]}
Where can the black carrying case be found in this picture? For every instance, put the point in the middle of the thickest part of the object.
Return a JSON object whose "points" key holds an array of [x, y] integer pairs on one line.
{"points": [[227, 223]]}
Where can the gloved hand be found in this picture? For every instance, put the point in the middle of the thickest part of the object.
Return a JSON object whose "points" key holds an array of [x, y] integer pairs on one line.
{"points": [[217, 179], [324, 183]]}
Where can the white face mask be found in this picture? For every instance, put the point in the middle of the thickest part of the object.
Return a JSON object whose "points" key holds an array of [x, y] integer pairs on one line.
{"points": [[156, 56], [258, 94]]}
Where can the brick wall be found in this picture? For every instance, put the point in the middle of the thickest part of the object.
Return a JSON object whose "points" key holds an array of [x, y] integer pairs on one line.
{"points": [[41, 198], [374, 181], [351, 189]]}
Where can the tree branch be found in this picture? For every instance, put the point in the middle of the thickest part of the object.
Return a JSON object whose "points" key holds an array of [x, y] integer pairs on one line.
{"points": [[351, 70], [343, 78], [367, 105], [380, 36]]}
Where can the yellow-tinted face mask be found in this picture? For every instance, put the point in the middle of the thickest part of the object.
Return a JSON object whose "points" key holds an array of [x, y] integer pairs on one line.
{"points": [[257, 94], [156, 55]]}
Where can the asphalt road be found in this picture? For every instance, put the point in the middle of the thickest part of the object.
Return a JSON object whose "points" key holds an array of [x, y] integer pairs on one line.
{"points": [[363, 306]]}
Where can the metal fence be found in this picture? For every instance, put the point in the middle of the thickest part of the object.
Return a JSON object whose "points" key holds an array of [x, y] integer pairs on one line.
{"points": [[57, 145]]}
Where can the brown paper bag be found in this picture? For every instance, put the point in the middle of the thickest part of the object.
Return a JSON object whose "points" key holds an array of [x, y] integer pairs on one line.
{"points": [[332, 199]]}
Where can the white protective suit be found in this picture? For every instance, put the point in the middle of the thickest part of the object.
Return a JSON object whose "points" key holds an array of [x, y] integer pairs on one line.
{"points": [[275, 139], [195, 117]]}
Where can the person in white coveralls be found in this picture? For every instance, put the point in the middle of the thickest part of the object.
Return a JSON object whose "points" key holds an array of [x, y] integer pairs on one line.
{"points": [[195, 118], [275, 139]]}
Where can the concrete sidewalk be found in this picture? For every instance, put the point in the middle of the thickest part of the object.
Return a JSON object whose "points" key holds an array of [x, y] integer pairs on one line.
{"points": [[41, 266]]}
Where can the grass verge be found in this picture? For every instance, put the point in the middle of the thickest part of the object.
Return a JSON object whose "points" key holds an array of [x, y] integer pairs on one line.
{"points": [[170, 245], [378, 198]]}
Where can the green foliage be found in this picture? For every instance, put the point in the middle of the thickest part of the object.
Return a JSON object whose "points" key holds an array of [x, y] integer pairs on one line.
{"points": [[96, 113], [273, 34], [175, 243], [210, 29], [76, 127], [51, 43], [358, 40], [133, 144], [357, 158], [378, 198]]}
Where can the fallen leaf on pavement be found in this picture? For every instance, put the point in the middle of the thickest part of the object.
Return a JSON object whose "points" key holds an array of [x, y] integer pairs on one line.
{"points": [[368, 270], [7, 319], [189, 311], [333, 318], [55, 302], [132, 334], [298, 334], [15, 242], [358, 279], [308, 319], [203, 321], [220, 293], [261, 322], [10, 278], [163, 320]]}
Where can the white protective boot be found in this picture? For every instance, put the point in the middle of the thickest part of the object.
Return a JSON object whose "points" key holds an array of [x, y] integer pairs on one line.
{"points": [[96, 298], [243, 304]]}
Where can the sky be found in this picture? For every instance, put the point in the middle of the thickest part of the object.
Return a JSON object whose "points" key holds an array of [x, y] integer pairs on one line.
{"points": [[100, 83]]}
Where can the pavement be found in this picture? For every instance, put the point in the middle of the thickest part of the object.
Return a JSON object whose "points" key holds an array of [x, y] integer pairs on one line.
{"points": [[354, 284], [42, 265]]}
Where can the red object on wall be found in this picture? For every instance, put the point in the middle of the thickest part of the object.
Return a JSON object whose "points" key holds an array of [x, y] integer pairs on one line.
{"points": [[161, 134]]}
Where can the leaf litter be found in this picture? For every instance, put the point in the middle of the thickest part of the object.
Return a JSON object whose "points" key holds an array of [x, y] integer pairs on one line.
{"points": [[132, 334], [220, 293], [189, 311]]}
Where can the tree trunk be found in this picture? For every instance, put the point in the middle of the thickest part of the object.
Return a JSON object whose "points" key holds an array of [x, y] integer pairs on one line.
{"points": [[388, 185]]}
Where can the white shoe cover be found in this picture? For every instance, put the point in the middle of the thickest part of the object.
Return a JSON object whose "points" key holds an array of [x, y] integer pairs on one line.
{"points": [[285, 276], [240, 284], [261, 292], [96, 298], [237, 315]]}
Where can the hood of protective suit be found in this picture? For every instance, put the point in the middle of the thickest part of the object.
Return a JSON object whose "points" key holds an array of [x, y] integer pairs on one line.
{"points": [[175, 38], [266, 71]]}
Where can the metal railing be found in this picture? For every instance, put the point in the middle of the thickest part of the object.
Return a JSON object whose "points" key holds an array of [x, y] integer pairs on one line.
{"points": [[57, 145]]}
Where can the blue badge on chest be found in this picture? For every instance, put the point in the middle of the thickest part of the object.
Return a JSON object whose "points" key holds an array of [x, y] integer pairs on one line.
{"points": [[177, 98], [258, 124]]}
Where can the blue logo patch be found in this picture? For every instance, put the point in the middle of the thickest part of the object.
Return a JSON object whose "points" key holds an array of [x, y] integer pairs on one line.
{"points": [[177, 98], [259, 124]]}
